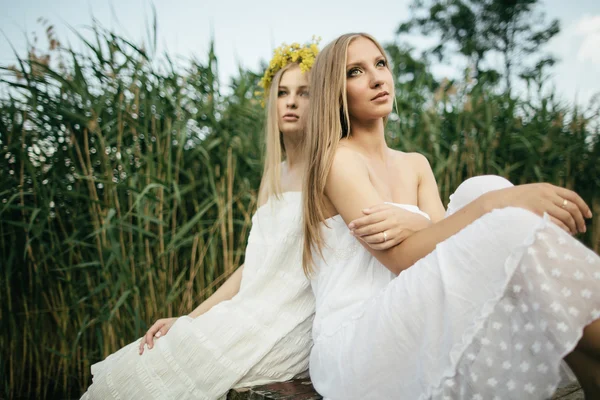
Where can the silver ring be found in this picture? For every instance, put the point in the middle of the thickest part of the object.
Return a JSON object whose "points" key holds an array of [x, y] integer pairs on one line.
{"points": [[564, 204], [384, 236]]}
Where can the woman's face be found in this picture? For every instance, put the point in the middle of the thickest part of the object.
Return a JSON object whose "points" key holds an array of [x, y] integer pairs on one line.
{"points": [[292, 101], [369, 83]]}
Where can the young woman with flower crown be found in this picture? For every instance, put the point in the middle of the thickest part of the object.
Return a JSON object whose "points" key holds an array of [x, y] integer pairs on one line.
{"points": [[256, 327], [485, 303]]}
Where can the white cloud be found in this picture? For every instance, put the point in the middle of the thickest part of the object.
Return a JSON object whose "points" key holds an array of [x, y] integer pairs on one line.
{"points": [[589, 24], [589, 28]]}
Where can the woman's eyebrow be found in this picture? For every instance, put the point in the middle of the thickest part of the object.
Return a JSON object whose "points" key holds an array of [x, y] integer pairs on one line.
{"points": [[354, 64], [298, 87], [359, 63]]}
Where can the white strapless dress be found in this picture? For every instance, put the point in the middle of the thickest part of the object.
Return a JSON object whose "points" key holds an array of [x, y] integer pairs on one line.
{"points": [[488, 315], [261, 335]]}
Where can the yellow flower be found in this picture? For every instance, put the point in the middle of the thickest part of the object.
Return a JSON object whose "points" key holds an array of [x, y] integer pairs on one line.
{"points": [[284, 55]]}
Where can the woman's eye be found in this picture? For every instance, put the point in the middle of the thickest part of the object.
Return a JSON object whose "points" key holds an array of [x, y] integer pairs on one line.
{"points": [[381, 63], [304, 93], [281, 93], [353, 72]]}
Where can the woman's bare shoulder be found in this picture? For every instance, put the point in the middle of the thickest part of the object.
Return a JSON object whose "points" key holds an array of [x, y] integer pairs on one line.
{"points": [[416, 161]]}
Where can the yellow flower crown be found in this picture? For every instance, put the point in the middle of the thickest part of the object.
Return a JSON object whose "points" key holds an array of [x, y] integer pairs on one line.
{"points": [[295, 53]]}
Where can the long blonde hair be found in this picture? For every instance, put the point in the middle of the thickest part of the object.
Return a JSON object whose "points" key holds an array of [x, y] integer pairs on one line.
{"points": [[274, 148], [328, 121]]}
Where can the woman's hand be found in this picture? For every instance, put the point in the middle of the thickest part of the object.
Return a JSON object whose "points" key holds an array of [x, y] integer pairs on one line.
{"points": [[385, 225], [160, 328], [565, 207]]}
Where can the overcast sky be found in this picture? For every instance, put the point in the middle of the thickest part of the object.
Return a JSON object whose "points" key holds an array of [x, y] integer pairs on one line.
{"points": [[246, 32]]}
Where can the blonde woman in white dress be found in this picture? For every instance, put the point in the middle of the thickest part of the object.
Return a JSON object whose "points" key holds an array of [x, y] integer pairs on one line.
{"points": [[485, 303], [255, 328]]}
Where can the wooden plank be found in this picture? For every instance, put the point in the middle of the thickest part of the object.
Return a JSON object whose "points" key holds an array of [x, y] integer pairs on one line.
{"points": [[571, 392], [300, 389]]}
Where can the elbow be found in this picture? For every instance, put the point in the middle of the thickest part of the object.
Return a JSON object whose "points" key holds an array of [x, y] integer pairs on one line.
{"points": [[395, 259], [397, 268], [396, 271], [397, 263], [400, 262]]}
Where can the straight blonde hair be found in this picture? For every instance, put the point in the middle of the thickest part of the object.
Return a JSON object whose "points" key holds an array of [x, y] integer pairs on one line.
{"points": [[274, 148], [328, 121]]}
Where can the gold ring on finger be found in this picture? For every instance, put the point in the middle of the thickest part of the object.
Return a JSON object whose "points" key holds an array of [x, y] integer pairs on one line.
{"points": [[564, 204]]}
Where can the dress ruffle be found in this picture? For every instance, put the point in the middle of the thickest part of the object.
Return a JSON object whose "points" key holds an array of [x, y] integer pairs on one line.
{"points": [[261, 335]]}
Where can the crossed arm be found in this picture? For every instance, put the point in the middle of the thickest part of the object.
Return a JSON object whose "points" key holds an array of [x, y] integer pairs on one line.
{"points": [[350, 191], [385, 226]]}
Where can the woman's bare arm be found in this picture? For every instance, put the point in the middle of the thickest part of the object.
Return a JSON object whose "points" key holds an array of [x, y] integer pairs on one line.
{"points": [[162, 326], [350, 190], [428, 194], [230, 288]]}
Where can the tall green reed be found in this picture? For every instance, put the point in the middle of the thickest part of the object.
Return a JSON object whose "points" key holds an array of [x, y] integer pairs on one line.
{"points": [[127, 192]]}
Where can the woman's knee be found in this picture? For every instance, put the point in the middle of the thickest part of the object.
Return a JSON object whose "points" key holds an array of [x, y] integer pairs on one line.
{"points": [[512, 226], [474, 187]]}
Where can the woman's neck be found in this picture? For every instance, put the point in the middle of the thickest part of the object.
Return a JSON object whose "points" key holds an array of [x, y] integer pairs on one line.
{"points": [[369, 137], [293, 152], [293, 167]]}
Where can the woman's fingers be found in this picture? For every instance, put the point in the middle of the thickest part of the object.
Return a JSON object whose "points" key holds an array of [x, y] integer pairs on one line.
{"points": [[573, 209], [376, 238], [163, 331], [372, 244], [574, 198], [388, 244], [561, 225], [142, 343], [391, 242], [566, 207], [377, 208], [366, 221], [159, 329], [374, 228], [564, 216], [152, 331], [385, 239]]}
